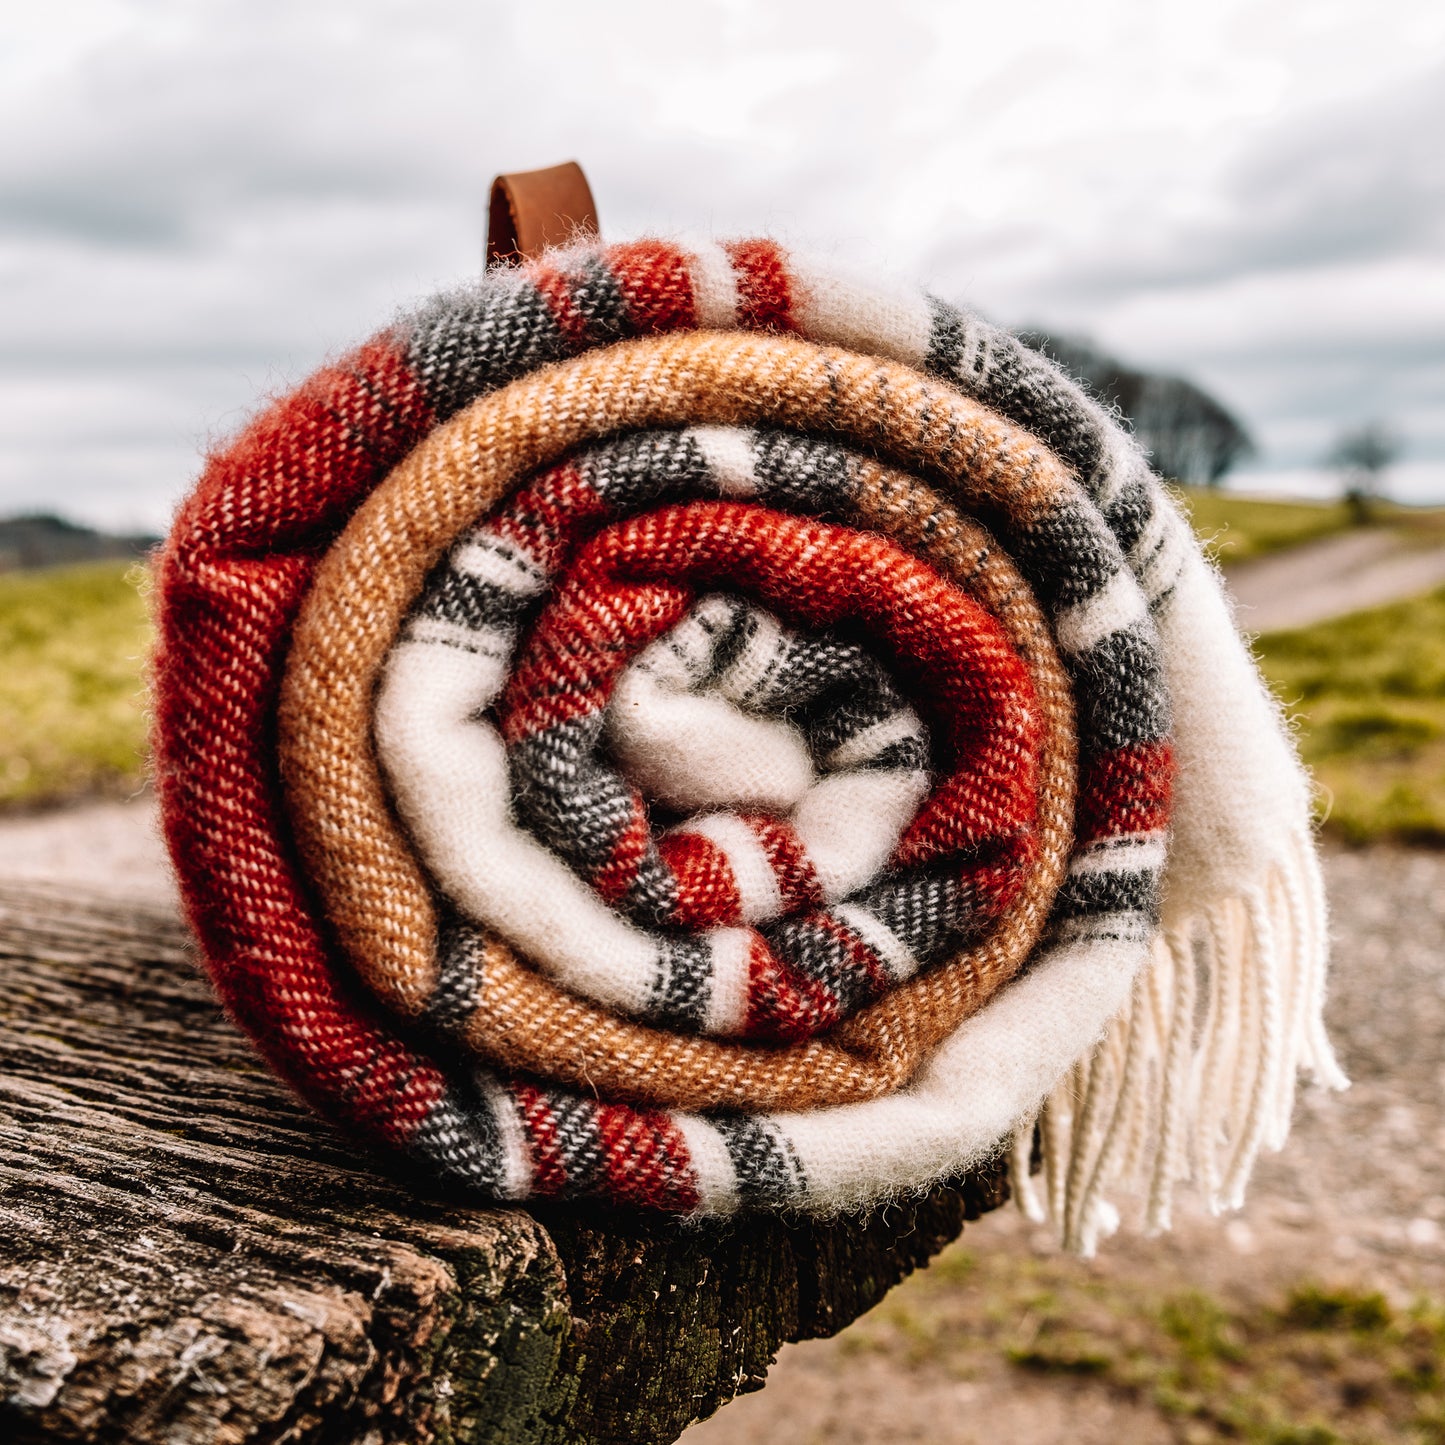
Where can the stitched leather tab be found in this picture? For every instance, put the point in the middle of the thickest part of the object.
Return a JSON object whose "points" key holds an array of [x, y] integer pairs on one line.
{"points": [[531, 210]]}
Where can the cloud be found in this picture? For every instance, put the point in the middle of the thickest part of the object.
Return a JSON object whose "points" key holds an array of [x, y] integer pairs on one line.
{"points": [[1339, 184], [210, 199]]}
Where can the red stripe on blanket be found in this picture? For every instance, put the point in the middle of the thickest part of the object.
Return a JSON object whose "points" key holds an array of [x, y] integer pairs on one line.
{"points": [[656, 284], [549, 1158], [555, 288], [566, 673], [707, 893], [289, 482], [1125, 791], [784, 1006], [646, 1159], [615, 878], [543, 518], [765, 294], [797, 881]]}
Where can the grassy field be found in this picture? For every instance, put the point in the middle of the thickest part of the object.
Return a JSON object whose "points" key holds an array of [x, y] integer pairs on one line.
{"points": [[1368, 690], [72, 715], [1238, 529], [1311, 1364]]}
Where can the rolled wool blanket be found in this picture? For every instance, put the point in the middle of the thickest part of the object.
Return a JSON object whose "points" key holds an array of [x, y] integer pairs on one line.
{"points": [[682, 725]]}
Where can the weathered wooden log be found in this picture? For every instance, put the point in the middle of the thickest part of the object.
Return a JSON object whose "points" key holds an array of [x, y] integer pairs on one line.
{"points": [[187, 1255]]}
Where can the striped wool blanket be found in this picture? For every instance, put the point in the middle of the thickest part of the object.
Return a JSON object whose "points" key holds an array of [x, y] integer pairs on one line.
{"points": [[685, 726]]}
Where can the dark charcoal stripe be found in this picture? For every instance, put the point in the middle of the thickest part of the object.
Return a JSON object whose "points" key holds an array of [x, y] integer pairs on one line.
{"points": [[908, 755], [928, 912], [471, 342], [768, 1170], [579, 1142], [684, 985], [803, 474], [652, 895], [824, 949], [857, 700], [1097, 893], [1021, 383], [470, 602], [1126, 701], [947, 339], [730, 641], [459, 1139], [457, 995], [1067, 555], [600, 302], [814, 662], [1130, 514], [633, 471], [566, 797]]}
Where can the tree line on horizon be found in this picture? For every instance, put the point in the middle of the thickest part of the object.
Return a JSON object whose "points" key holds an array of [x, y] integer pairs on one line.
{"points": [[1189, 436]]}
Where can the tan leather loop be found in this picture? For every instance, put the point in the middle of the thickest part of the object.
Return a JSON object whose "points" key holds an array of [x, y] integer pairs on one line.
{"points": [[532, 210]]}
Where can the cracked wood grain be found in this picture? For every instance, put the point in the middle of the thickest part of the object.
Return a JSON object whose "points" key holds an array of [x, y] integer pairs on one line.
{"points": [[187, 1255]]}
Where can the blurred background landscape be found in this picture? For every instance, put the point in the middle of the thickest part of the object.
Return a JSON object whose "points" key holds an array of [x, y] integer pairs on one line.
{"points": [[1227, 220]]}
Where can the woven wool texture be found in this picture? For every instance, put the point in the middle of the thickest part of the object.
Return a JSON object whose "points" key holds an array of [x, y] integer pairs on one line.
{"points": [[513, 1014], [785, 982], [738, 710]]}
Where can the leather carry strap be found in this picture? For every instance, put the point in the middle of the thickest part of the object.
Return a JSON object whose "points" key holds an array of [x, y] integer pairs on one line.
{"points": [[531, 210]]}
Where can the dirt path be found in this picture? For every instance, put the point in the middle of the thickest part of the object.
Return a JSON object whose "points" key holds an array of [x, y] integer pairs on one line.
{"points": [[1326, 579], [105, 847], [1359, 1194]]}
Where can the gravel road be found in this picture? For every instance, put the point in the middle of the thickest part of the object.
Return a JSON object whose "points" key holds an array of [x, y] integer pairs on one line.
{"points": [[1326, 579]]}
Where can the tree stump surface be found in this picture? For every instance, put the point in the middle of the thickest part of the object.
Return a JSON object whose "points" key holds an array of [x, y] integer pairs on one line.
{"points": [[187, 1254]]}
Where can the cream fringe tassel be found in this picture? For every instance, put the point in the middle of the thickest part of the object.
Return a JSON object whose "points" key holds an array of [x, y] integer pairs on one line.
{"points": [[1198, 1074]]}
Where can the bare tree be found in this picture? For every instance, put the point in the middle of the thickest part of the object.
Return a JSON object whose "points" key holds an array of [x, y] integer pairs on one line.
{"points": [[1362, 456], [1190, 437]]}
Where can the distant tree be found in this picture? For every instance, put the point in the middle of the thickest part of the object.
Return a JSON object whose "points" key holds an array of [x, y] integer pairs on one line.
{"points": [[1362, 456], [1189, 436]]}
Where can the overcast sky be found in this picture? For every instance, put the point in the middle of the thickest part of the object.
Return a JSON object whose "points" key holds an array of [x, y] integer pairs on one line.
{"points": [[199, 200]]}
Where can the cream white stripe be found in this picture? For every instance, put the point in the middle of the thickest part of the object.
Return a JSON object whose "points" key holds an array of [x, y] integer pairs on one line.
{"points": [[689, 646], [717, 1183], [728, 451], [757, 881], [872, 740], [1148, 540], [1161, 572], [493, 642], [1120, 466], [727, 1004], [858, 314], [1144, 850], [516, 1182], [902, 962], [1088, 623], [501, 564], [755, 662], [714, 287]]}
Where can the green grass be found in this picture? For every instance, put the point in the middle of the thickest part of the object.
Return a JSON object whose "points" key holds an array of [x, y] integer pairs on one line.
{"points": [[1369, 691], [1317, 1364], [1237, 528], [72, 715]]}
